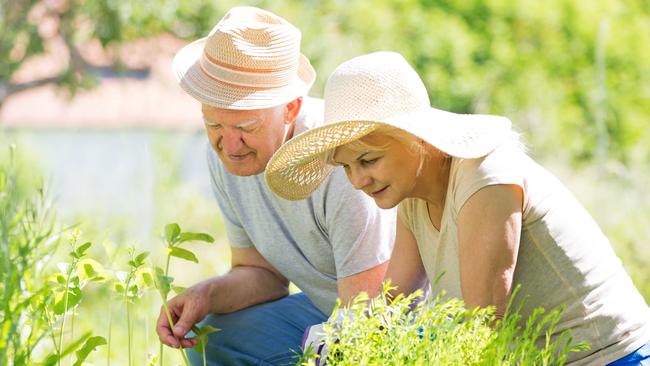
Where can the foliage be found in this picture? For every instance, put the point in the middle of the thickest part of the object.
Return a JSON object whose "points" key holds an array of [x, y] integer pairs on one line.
{"points": [[31, 307], [40, 300], [30, 28], [442, 332], [556, 68]]}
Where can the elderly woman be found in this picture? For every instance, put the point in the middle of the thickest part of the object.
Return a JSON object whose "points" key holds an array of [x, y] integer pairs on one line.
{"points": [[477, 216]]}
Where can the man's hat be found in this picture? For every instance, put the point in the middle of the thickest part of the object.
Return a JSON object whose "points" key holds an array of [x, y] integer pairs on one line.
{"points": [[250, 60]]}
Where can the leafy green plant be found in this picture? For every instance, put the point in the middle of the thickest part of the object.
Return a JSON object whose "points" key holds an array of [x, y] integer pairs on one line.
{"points": [[131, 286], [30, 306], [394, 332], [173, 239], [67, 285]]}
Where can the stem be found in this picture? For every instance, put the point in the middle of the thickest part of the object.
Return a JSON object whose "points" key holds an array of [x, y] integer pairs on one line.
{"points": [[128, 327], [204, 359], [65, 309], [169, 257], [171, 324], [164, 299], [110, 324], [72, 325], [161, 355], [51, 324]]}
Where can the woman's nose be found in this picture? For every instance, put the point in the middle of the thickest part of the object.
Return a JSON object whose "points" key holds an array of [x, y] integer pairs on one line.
{"points": [[358, 178]]}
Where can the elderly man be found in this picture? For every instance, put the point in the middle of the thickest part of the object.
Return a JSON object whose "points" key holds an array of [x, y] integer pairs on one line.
{"points": [[252, 83]]}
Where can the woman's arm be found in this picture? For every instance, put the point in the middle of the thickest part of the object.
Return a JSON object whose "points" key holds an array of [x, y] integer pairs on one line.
{"points": [[406, 270], [489, 229]]}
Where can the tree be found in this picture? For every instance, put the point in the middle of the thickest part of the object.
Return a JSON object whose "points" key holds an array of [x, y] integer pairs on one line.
{"points": [[30, 28]]}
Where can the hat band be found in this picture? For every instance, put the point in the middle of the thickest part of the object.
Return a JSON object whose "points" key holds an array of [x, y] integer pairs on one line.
{"points": [[253, 79]]}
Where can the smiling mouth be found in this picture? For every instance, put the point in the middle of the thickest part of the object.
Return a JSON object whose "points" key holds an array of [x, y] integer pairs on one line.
{"points": [[379, 192], [239, 157]]}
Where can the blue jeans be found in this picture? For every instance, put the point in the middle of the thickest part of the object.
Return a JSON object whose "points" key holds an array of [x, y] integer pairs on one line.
{"points": [[640, 357], [264, 334]]}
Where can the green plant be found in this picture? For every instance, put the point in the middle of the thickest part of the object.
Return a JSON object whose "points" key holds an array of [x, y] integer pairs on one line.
{"points": [[394, 332], [173, 239], [130, 286], [66, 287], [30, 307]]}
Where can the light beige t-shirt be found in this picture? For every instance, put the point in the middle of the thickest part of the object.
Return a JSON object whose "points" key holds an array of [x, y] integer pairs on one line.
{"points": [[564, 258]]}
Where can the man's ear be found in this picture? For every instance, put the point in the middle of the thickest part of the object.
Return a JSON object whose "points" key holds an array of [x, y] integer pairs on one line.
{"points": [[292, 110]]}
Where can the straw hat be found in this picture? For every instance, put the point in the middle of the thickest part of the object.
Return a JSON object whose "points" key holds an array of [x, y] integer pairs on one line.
{"points": [[250, 60], [367, 92]]}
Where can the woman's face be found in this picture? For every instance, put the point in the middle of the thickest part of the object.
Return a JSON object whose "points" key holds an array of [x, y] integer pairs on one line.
{"points": [[387, 175]]}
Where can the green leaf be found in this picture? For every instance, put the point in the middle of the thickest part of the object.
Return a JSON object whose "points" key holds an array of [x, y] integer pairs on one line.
{"points": [[164, 284], [53, 359], [119, 287], [141, 257], [203, 331], [184, 254], [195, 236], [172, 231], [91, 344], [81, 250], [202, 336], [152, 359], [178, 289], [74, 298], [144, 277], [90, 269]]}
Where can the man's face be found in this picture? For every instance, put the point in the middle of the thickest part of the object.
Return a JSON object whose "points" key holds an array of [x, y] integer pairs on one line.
{"points": [[245, 140]]}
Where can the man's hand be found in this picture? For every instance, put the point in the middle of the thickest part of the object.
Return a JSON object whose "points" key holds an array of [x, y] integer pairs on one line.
{"points": [[186, 309]]}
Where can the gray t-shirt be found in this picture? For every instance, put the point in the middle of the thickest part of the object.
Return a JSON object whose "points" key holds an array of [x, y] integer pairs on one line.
{"points": [[335, 233]]}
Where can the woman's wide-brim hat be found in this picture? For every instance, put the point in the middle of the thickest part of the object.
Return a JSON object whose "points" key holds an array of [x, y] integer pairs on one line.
{"points": [[250, 60], [363, 94]]}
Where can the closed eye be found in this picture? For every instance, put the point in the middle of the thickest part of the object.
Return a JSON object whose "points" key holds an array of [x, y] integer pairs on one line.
{"points": [[211, 125], [367, 162]]}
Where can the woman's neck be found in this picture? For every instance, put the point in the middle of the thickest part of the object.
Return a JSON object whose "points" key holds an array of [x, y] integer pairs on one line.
{"points": [[431, 184]]}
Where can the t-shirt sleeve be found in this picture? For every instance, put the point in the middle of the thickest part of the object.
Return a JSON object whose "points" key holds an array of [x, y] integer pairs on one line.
{"points": [[499, 167], [405, 213], [361, 234], [235, 232]]}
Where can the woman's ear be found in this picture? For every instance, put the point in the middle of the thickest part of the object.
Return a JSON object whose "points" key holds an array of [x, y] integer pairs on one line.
{"points": [[292, 110]]}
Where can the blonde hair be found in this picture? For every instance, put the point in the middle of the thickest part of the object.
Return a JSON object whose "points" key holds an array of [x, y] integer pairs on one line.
{"points": [[384, 130]]}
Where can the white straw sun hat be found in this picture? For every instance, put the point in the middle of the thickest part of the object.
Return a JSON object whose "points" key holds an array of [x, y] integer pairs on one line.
{"points": [[250, 60], [362, 94]]}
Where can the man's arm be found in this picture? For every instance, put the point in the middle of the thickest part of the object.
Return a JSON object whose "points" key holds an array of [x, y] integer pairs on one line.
{"points": [[252, 280], [368, 281]]}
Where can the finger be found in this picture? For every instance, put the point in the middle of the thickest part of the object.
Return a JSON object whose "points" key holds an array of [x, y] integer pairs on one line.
{"points": [[189, 342], [164, 331], [189, 317]]}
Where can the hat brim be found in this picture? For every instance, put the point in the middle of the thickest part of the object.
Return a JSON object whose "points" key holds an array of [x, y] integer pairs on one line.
{"points": [[207, 90], [297, 168]]}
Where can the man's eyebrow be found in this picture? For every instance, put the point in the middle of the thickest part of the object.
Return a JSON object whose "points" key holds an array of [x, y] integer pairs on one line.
{"points": [[208, 122], [247, 123]]}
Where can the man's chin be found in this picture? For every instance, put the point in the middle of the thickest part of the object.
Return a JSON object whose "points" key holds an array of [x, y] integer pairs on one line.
{"points": [[243, 171]]}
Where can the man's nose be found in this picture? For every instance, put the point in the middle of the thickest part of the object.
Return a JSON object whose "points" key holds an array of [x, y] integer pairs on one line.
{"points": [[231, 140]]}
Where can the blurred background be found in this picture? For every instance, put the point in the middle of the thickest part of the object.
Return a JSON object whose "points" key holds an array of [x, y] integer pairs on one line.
{"points": [[89, 101]]}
